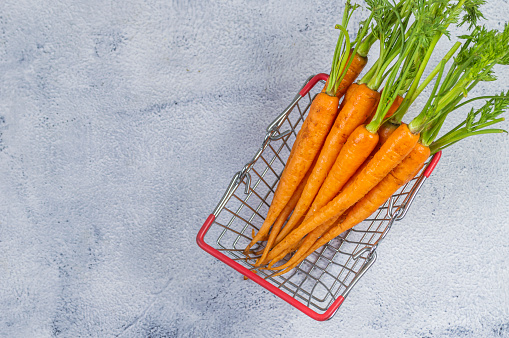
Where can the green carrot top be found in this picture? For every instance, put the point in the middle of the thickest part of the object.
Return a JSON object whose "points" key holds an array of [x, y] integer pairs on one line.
{"points": [[385, 17], [342, 60], [482, 50], [437, 16], [413, 48], [476, 123]]}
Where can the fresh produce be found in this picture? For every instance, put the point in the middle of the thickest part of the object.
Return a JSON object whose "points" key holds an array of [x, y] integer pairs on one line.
{"points": [[368, 153], [356, 109], [476, 123], [377, 196], [353, 114], [308, 142], [306, 152], [370, 177], [281, 219]]}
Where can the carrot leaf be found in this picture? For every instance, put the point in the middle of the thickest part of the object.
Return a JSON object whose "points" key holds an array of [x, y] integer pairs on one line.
{"points": [[473, 14], [341, 59], [482, 50], [476, 123]]}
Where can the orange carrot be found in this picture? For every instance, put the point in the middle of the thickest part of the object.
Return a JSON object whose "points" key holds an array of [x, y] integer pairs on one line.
{"points": [[283, 255], [395, 105], [284, 215], [306, 243], [330, 188], [355, 151], [356, 67], [349, 93], [384, 132], [309, 140], [397, 147], [398, 177], [349, 118], [316, 127]]}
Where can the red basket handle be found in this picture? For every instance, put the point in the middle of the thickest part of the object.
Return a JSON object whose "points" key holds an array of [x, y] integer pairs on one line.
{"points": [[312, 82], [432, 164]]}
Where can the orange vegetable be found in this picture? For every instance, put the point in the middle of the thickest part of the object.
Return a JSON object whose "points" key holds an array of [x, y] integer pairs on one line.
{"points": [[309, 140], [354, 112], [356, 67], [284, 215], [355, 151], [397, 147], [398, 177]]}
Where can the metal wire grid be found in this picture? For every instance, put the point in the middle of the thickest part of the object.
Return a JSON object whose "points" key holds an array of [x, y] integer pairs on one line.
{"points": [[333, 269]]}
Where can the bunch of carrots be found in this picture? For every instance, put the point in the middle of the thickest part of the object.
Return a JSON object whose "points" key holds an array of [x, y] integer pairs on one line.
{"points": [[350, 157]]}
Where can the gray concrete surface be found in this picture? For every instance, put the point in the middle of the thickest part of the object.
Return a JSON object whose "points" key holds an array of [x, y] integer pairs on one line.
{"points": [[121, 124]]}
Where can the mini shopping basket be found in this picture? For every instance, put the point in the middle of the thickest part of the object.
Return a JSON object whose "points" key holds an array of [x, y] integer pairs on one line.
{"points": [[319, 285]]}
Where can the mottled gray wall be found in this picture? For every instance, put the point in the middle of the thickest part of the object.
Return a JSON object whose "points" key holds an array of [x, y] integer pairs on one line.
{"points": [[122, 122]]}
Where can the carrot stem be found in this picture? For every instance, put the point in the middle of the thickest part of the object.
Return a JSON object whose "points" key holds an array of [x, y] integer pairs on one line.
{"points": [[342, 52], [435, 71]]}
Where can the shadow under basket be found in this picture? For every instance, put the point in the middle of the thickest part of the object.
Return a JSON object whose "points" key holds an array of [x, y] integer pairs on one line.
{"points": [[319, 285]]}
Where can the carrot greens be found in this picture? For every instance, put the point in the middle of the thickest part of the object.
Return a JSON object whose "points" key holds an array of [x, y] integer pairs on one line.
{"points": [[476, 123], [474, 63]]}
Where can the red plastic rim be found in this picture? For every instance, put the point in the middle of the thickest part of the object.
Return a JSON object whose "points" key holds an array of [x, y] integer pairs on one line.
{"points": [[432, 165], [312, 82], [259, 280]]}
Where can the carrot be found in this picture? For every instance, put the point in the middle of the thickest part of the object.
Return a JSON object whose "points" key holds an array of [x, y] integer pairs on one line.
{"points": [[406, 170], [284, 215], [331, 149], [358, 147], [358, 104], [355, 151], [385, 131], [307, 144], [460, 79], [363, 183], [397, 147], [402, 174], [347, 163], [349, 118], [356, 66], [430, 121], [307, 242], [349, 93], [398, 177], [395, 105], [400, 143], [315, 128], [283, 255]]}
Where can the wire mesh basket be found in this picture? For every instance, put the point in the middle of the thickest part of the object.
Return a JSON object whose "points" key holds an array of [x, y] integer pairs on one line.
{"points": [[323, 280]]}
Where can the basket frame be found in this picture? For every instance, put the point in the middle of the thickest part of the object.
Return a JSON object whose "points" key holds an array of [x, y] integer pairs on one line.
{"points": [[243, 176]]}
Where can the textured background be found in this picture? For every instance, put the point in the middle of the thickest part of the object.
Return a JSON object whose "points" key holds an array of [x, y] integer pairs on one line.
{"points": [[121, 124]]}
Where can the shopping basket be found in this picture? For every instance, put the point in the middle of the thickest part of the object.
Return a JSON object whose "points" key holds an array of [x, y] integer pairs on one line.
{"points": [[319, 285]]}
